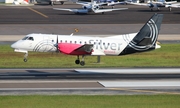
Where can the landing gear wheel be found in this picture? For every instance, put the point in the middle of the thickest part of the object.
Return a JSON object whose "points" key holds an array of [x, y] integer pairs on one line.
{"points": [[158, 9], [25, 60], [51, 3], [77, 61], [61, 2], [82, 63], [169, 9]]}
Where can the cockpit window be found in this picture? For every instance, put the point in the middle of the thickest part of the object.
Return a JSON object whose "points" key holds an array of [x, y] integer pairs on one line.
{"points": [[24, 38], [31, 38], [28, 38]]}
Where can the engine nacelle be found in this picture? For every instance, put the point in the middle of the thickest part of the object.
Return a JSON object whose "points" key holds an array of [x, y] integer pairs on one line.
{"points": [[96, 7], [151, 5], [86, 7]]}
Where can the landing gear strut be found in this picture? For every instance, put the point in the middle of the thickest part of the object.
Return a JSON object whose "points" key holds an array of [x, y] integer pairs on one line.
{"points": [[77, 61], [25, 57], [170, 9]]}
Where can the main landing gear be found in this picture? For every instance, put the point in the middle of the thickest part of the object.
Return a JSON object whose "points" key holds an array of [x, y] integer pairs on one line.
{"points": [[77, 61]]}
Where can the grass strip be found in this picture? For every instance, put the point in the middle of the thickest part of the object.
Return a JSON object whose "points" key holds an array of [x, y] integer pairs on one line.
{"points": [[167, 56], [90, 101]]}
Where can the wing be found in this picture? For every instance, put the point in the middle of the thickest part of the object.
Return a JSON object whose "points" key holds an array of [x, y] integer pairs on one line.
{"points": [[115, 3], [75, 49], [83, 3], [139, 4], [173, 5], [71, 10], [84, 11], [108, 10], [171, 2]]}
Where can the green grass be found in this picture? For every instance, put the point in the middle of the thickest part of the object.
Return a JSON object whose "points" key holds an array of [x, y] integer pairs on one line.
{"points": [[97, 101], [167, 56]]}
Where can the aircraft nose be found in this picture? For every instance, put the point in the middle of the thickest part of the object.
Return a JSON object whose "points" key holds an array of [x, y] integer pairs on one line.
{"points": [[13, 45]]}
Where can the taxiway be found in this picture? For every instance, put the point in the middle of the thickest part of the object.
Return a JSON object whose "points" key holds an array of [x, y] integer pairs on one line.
{"points": [[90, 81]]}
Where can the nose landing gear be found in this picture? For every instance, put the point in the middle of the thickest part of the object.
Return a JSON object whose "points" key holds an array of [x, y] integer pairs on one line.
{"points": [[25, 57]]}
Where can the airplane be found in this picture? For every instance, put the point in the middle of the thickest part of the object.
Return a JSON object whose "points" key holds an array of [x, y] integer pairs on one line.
{"points": [[118, 45], [173, 5], [89, 7], [111, 3], [152, 4]]}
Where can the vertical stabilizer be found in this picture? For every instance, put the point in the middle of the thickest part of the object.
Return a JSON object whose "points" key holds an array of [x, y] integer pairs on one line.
{"points": [[147, 36], [150, 29]]}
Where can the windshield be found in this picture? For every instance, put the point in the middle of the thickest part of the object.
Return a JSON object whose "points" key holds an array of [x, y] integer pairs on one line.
{"points": [[24, 38], [28, 38]]}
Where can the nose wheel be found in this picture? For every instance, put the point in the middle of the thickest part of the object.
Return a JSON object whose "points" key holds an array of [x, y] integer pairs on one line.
{"points": [[25, 57], [77, 61]]}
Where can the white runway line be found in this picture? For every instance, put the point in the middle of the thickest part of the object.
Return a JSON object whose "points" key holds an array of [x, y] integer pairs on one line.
{"points": [[132, 71], [140, 83]]}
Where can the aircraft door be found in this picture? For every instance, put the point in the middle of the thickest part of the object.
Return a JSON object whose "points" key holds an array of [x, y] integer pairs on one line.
{"points": [[45, 43], [30, 41], [48, 44]]}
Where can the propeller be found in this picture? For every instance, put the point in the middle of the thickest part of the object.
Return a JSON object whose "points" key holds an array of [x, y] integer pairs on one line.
{"points": [[56, 45]]}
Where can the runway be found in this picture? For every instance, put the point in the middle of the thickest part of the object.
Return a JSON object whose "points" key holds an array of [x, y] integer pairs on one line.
{"points": [[90, 81]]}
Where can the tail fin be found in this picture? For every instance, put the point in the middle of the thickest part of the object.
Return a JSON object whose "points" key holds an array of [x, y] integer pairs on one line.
{"points": [[146, 38], [150, 29]]}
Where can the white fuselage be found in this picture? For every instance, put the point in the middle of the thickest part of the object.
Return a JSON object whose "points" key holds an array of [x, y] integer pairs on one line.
{"points": [[47, 43]]}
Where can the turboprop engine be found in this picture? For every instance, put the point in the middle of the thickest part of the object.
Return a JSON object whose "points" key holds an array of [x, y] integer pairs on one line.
{"points": [[86, 7], [95, 7]]}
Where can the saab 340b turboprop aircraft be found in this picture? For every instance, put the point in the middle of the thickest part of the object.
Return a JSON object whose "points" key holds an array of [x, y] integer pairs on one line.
{"points": [[144, 40]]}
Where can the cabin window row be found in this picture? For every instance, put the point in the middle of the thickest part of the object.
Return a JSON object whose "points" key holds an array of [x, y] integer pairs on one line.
{"points": [[80, 42]]}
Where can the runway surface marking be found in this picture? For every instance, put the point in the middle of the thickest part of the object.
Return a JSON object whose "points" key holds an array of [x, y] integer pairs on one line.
{"points": [[38, 12], [144, 91], [142, 83], [132, 71]]}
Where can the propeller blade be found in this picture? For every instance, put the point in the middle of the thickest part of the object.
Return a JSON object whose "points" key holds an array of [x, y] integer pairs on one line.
{"points": [[57, 49]]}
